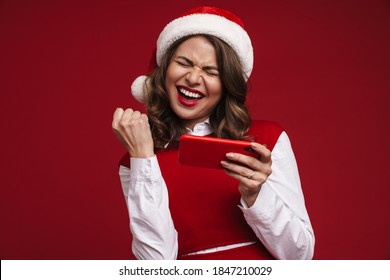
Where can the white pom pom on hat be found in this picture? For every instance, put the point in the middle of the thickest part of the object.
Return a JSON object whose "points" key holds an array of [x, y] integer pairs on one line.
{"points": [[201, 20], [138, 87]]}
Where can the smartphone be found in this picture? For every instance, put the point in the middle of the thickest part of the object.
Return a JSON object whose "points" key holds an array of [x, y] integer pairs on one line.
{"points": [[204, 151]]}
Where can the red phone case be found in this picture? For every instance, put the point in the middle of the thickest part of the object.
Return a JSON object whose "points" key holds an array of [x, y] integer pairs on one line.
{"points": [[204, 151]]}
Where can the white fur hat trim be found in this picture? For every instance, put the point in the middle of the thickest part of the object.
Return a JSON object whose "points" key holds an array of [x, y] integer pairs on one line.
{"points": [[210, 24], [193, 24]]}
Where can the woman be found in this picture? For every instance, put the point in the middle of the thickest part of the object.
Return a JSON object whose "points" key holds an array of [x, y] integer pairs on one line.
{"points": [[197, 85]]}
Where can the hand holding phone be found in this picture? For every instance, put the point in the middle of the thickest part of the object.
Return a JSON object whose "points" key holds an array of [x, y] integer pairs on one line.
{"points": [[204, 151]]}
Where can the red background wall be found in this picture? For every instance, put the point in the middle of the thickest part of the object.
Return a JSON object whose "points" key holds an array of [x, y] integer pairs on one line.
{"points": [[321, 70]]}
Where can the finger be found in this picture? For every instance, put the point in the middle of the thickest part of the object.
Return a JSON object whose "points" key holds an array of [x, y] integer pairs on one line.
{"points": [[135, 115], [249, 161], [245, 165], [138, 123], [252, 183], [262, 150], [241, 171], [255, 178], [127, 115], [116, 117], [261, 165], [145, 118], [139, 119]]}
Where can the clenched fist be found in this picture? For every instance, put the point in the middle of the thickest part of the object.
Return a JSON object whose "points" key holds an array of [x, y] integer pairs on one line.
{"points": [[133, 131]]}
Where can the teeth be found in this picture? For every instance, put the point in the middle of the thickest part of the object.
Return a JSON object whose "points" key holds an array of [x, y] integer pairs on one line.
{"points": [[190, 94]]}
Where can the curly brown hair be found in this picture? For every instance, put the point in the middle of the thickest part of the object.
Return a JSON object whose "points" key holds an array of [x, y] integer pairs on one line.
{"points": [[229, 119]]}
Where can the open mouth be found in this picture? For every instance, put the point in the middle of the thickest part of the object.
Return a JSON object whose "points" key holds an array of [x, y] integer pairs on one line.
{"points": [[189, 94], [188, 97]]}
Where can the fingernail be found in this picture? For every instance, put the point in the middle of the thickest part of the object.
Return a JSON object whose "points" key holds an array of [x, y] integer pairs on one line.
{"points": [[230, 155], [224, 163]]}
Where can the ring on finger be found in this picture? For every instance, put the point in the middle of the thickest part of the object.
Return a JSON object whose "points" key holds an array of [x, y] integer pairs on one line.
{"points": [[250, 176]]}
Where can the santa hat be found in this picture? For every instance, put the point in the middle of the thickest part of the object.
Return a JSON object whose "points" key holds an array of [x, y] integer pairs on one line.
{"points": [[202, 20]]}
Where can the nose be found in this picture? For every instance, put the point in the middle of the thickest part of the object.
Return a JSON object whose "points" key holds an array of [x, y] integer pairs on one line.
{"points": [[194, 75]]}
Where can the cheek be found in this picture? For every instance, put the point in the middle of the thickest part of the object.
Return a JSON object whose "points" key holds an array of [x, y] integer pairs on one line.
{"points": [[216, 90], [168, 75], [215, 98], [173, 73], [169, 81]]}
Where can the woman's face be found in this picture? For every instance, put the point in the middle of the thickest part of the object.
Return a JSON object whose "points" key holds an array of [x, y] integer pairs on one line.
{"points": [[192, 81]]}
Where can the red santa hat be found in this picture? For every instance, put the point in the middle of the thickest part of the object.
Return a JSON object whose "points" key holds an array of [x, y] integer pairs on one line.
{"points": [[201, 20]]}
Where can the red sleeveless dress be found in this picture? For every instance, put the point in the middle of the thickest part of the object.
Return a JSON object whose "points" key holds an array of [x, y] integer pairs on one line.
{"points": [[204, 204]]}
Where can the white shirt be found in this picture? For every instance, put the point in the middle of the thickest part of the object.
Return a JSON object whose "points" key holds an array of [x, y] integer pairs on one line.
{"points": [[278, 217]]}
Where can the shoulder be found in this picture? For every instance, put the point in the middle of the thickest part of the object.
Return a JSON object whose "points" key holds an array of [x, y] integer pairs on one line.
{"points": [[265, 132]]}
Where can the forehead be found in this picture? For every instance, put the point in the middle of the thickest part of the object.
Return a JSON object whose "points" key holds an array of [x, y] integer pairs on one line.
{"points": [[198, 49]]}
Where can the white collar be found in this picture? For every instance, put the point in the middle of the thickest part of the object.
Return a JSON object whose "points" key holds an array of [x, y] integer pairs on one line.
{"points": [[201, 129]]}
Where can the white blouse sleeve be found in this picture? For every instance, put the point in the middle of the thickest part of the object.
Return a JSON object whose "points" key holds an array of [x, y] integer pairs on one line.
{"points": [[154, 235], [279, 217]]}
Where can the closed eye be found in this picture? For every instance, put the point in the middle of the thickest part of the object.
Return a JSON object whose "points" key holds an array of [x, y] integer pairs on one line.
{"points": [[184, 61], [211, 71]]}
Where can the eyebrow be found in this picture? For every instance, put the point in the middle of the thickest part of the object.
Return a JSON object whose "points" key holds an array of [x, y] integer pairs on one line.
{"points": [[190, 62]]}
